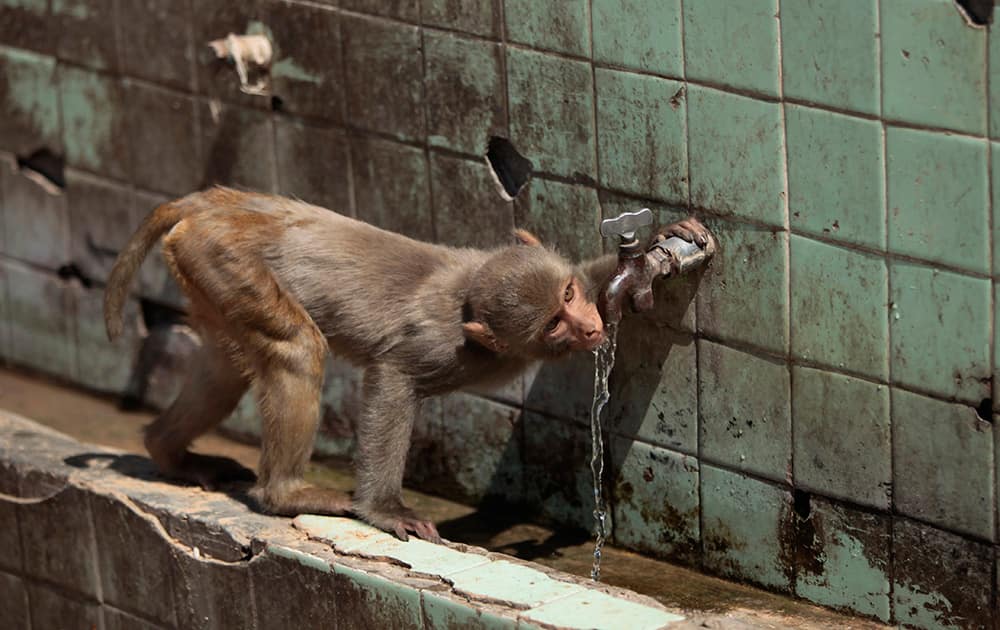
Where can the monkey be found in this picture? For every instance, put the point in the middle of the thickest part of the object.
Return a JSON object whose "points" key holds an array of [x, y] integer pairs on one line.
{"points": [[274, 284]]}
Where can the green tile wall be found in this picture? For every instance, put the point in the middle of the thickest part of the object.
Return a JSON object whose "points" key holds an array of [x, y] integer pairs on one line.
{"points": [[821, 395]]}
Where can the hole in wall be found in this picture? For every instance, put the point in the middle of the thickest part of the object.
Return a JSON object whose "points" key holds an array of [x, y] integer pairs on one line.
{"points": [[803, 503], [985, 410], [277, 104], [154, 314], [511, 171], [71, 270], [976, 12], [45, 168]]}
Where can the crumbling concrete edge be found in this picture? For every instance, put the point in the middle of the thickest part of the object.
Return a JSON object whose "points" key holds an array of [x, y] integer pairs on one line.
{"points": [[101, 501]]}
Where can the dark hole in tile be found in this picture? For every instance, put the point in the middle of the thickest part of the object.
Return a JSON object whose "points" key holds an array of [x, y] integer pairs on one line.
{"points": [[154, 314], [277, 104], [71, 270], [978, 11], [511, 170], [803, 503], [985, 410], [45, 167]]}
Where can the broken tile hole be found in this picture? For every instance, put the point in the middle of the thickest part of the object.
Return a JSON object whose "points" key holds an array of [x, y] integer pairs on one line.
{"points": [[985, 410], [277, 104], [45, 168], [154, 314], [71, 270], [803, 503], [977, 12], [511, 171]]}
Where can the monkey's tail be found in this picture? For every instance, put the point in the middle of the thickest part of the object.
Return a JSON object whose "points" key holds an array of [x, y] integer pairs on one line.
{"points": [[153, 227]]}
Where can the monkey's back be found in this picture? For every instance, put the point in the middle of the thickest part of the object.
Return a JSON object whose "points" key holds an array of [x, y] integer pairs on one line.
{"points": [[372, 292]]}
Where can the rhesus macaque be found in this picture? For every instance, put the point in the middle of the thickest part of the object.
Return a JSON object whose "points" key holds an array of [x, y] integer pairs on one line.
{"points": [[274, 283]]}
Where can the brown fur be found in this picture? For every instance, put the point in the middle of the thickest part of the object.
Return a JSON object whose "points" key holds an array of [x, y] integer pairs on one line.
{"points": [[274, 283]]}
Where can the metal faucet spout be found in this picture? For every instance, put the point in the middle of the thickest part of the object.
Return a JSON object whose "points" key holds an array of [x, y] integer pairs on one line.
{"points": [[633, 279]]}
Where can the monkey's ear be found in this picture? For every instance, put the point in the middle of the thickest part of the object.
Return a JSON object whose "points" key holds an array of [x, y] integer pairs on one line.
{"points": [[483, 335], [526, 238]]}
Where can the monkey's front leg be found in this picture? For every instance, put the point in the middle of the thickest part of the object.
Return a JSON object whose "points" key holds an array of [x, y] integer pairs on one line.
{"points": [[390, 406]]}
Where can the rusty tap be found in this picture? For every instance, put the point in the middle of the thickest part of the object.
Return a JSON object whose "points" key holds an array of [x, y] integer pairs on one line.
{"points": [[637, 268]]}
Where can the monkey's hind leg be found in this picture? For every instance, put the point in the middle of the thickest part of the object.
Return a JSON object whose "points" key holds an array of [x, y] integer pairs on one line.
{"points": [[211, 391]]}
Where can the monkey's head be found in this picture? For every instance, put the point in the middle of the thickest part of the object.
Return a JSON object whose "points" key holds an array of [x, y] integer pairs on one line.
{"points": [[526, 301]]}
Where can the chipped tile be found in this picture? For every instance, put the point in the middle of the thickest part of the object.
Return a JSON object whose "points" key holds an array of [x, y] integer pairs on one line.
{"points": [[944, 464], [515, 584], [932, 66], [552, 112], [656, 501]]}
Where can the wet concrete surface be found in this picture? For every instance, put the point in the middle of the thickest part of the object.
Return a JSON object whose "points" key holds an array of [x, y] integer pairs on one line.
{"points": [[710, 602]]}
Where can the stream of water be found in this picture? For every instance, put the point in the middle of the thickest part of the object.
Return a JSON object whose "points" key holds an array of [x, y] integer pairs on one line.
{"points": [[604, 362]]}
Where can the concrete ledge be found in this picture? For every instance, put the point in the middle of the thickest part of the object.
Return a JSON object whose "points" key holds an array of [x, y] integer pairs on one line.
{"points": [[90, 537]]}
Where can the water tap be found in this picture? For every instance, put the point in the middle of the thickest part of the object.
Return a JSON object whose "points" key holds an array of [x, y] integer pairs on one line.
{"points": [[638, 267]]}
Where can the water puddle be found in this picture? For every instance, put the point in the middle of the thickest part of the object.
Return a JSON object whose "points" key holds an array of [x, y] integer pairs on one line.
{"points": [[604, 362]]}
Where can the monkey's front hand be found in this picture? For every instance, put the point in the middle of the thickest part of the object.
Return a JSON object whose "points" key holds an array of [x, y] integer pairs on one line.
{"points": [[690, 229], [401, 521]]}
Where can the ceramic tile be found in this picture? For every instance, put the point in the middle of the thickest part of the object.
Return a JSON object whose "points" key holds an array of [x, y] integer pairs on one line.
{"points": [[561, 215], [733, 44], [464, 92], [838, 312], [836, 177], [940, 329], [842, 440], [559, 26], [656, 504], [932, 66], [929, 172], [29, 101], [742, 521], [744, 292], [384, 62], [829, 53], [943, 458], [641, 129], [552, 112], [847, 563], [745, 421], [479, 17], [925, 591], [594, 609], [736, 150], [640, 34]]}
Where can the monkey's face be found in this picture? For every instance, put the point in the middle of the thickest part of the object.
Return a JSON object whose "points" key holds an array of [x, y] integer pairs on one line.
{"points": [[576, 325]]}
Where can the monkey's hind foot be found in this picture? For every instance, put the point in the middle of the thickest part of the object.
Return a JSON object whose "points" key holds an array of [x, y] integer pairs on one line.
{"points": [[209, 471], [301, 498], [401, 521]]}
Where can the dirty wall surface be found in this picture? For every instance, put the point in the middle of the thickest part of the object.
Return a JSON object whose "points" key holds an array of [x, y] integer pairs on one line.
{"points": [[813, 414]]}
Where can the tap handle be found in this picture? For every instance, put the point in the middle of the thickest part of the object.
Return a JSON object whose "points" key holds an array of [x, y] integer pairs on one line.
{"points": [[626, 224]]}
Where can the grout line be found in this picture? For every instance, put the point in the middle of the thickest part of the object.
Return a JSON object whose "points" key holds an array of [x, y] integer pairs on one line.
{"points": [[695, 340], [352, 194], [787, 314], [423, 109], [879, 52]]}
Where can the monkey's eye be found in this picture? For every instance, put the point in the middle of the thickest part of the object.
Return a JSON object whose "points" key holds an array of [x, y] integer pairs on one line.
{"points": [[568, 293], [552, 324]]}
